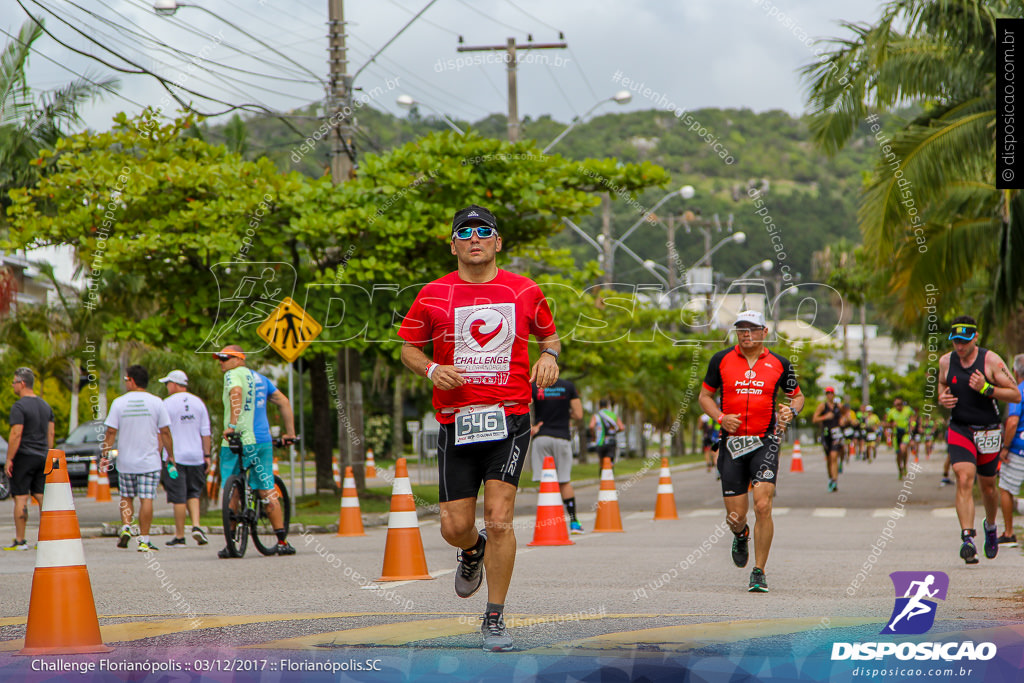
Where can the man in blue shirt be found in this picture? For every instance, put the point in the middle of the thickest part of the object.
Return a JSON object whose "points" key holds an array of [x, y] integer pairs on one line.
{"points": [[1011, 471]]}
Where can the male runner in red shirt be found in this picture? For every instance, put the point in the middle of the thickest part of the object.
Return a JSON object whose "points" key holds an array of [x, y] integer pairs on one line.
{"points": [[749, 375], [478, 320]]}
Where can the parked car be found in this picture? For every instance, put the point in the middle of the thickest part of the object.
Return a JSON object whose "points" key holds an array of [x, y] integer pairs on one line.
{"points": [[82, 446]]}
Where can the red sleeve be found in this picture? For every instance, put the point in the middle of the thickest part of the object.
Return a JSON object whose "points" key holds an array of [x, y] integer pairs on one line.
{"points": [[416, 327], [542, 323]]}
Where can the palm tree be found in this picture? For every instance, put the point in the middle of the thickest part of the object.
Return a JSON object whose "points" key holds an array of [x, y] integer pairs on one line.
{"points": [[29, 124], [930, 214]]}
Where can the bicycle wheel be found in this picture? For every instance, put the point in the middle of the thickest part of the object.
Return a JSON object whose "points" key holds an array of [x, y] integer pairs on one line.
{"points": [[263, 535], [236, 531], [5, 485]]}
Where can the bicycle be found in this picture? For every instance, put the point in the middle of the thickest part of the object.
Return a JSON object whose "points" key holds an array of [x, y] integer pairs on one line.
{"points": [[244, 512]]}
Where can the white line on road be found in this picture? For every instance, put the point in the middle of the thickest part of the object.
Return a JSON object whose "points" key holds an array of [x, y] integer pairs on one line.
{"points": [[396, 584], [944, 512], [829, 512], [704, 512]]}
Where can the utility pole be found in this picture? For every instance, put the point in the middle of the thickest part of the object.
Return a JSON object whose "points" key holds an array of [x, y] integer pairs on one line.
{"points": [[608, 242], [511, 63], [339, 97]]}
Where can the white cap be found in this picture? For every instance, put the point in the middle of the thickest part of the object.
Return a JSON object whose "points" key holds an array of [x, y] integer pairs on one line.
{"points": [[176, 376], [754, 317]]}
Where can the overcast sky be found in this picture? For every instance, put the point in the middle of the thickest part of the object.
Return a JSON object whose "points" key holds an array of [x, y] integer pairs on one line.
{"points": [[698, 53]]}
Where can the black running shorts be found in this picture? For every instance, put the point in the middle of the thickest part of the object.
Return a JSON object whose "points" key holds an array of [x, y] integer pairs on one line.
{"points": [[27, 476], [760, 465], [463, 469], [962, 448]]}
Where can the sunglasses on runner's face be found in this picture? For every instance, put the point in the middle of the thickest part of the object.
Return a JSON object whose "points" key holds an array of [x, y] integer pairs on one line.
{"points": [[221, 356], [482, 231]]}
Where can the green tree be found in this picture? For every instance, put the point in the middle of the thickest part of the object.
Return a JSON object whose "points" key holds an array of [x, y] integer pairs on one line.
{"points": [[30, 122], [930, 208]]}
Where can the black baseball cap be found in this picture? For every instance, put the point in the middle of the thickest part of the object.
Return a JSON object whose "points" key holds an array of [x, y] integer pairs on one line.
{"points": [[471, 213]]}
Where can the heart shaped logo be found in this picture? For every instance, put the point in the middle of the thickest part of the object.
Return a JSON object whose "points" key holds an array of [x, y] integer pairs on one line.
{"points": [[481, 335]]}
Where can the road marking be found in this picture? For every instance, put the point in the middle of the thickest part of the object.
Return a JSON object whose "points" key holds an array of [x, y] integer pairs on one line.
{"points": [[945, 513], [643, 514], [400, 633], [881, 512], [692, 636], [829, 512], [778, 512], [705, 512]]}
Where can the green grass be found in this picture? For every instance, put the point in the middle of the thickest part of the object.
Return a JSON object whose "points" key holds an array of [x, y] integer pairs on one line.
{"points": [[624, 468], [322, 509]]}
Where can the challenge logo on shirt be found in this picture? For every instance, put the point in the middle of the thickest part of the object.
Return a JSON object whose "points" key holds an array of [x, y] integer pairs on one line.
{"points": [[484, 335]]}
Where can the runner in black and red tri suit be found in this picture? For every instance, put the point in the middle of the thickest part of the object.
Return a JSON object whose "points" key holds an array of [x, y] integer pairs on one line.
{"points": [[970, 380], [478, 320], [827, 415], [748, 376]]}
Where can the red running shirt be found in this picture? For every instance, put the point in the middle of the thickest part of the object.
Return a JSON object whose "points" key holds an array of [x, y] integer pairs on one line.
{"points": [[750, 390], [482, 328]]}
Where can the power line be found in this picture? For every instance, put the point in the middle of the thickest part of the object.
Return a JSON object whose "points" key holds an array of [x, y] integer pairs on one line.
{"points": [[142, 70], [102, 86], [539, 21], [490, 18], [579, 68], [424, 20], [560, 89]]}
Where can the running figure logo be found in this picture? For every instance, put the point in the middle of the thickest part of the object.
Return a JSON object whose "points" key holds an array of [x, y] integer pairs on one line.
{"points": [[914, 613]]}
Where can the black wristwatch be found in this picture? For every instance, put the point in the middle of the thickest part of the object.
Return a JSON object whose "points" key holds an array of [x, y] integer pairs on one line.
{"points": [[552, 352]]}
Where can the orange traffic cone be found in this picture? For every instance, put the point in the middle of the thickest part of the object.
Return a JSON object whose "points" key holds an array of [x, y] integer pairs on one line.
{"points": [[608, 517], [550, 527], [93, 480], [797, 465], [336, 473], [277, 471], [61, 612], [404, 559], [350, 519], [665, 504], [371, 466], [102, 487]]}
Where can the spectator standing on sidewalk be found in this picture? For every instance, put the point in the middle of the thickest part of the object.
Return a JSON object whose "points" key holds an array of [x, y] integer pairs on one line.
{"points": [[30, 439], [190, 431]]}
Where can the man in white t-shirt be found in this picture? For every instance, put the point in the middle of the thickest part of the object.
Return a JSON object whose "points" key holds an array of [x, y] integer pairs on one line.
{"points": [[190, 429], [138, 424]]}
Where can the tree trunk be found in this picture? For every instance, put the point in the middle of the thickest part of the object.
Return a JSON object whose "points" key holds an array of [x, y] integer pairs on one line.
{"points": [[354, 414], [865, 394], [398, 417], [76, 376], [320, 397]]}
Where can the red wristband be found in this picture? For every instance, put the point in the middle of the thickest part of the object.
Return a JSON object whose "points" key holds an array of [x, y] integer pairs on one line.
{"points": [[720, 416]]}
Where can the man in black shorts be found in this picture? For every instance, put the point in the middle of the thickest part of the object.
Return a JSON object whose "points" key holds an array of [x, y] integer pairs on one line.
{"points": [[478, 320], [971, 379], [749, 375], [30, 439], [554, 408], [827, 415]]}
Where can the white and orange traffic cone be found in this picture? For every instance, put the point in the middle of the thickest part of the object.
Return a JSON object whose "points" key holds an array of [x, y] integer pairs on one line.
{"points": [[404, 559], [335, 472], [608, 517], [665, 503], [350, 519], [550, 528], [797, 465], [94, 480], [102, 487], [371, 466], [61, 613], [277, 470]]}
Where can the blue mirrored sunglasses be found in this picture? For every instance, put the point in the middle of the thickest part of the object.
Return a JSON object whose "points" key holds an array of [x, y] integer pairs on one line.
{"points": [[482, 231]]}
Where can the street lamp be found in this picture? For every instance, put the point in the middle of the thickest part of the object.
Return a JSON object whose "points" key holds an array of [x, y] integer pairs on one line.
{"points": [[653, 268], [621, 97], [737, 237], [765, 265], [407, 102], [169, 7]]}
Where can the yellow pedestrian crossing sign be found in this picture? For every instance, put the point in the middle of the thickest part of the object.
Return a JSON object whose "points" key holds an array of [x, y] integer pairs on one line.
{"points": [[289, 329]]}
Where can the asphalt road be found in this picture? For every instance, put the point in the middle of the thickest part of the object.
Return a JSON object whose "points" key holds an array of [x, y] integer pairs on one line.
{"points": [[667, 587]]}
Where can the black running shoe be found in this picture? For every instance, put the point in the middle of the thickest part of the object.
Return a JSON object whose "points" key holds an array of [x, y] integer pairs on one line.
{"points": [[991, 540], [740, 553], [470, 573], [758, 583], [124, 537], [967, 550], [285, 548]]}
